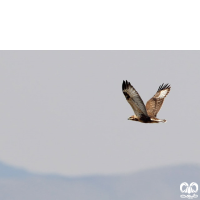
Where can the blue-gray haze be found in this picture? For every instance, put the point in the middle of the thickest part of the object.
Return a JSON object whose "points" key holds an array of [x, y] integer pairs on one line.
{"points": [[159, 183]]}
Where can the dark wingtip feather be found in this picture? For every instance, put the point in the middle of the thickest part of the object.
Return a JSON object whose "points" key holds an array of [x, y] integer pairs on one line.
{"points": [[125, 85], [163, 87]]}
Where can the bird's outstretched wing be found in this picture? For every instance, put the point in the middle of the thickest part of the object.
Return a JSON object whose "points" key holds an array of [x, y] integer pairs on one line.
{"points": [[134, 99], [155, 103]]}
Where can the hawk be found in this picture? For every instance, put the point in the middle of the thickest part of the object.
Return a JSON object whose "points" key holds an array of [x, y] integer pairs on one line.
{"points": [[145, 114]]}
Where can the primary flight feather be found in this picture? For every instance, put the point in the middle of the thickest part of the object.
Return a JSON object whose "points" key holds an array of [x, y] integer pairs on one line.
{"points": [[148, 113]]}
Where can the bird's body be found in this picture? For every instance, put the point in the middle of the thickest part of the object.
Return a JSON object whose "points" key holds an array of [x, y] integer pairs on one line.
{"points": [[148, 113]]}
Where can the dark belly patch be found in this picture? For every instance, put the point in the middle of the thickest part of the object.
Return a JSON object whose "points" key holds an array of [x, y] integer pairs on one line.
{"points": [[145, 119]]}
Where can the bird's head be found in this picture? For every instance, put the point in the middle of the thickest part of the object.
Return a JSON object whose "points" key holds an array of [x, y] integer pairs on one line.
{"points": [[133, 118]]}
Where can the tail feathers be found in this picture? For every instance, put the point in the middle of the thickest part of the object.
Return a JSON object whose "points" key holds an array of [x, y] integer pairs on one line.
{"points": [[158, 120]]}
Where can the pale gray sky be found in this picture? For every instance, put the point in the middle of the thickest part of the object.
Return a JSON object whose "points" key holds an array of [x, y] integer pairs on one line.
{"points": [[64, 111]]}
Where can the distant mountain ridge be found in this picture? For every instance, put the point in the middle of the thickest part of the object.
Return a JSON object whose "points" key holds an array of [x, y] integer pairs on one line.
{"points": [[161, 183], [8, 171]]}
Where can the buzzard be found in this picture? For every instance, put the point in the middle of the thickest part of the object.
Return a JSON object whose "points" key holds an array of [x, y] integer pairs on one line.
{"points": [[145, 114]]}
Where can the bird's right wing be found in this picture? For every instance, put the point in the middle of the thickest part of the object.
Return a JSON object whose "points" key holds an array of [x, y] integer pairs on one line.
{"points": [[134, 99], [155, 103]]}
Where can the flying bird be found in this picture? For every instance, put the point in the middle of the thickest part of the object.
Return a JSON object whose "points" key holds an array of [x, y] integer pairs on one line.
{"points": [[145, 114]]}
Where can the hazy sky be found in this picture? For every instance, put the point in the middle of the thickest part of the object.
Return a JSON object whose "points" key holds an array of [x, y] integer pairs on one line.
{"points": [[64, 111]]}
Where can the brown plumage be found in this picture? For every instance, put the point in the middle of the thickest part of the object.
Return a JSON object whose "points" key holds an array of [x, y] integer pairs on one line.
{"points": [[145, 114]]}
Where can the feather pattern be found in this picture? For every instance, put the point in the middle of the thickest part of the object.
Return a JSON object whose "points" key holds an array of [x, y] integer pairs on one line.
{"points": [[155, 103], [134, 99]]}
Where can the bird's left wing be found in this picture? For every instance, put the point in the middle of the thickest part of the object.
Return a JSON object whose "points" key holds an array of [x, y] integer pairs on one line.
{"points": [[134, 99]]}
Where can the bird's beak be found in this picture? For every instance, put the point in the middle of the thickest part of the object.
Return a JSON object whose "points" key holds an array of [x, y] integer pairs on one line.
{"points": [[129, 118]]}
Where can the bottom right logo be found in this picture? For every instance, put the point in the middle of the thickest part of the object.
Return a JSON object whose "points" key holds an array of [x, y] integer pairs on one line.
{"points": [[189, 189]]}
